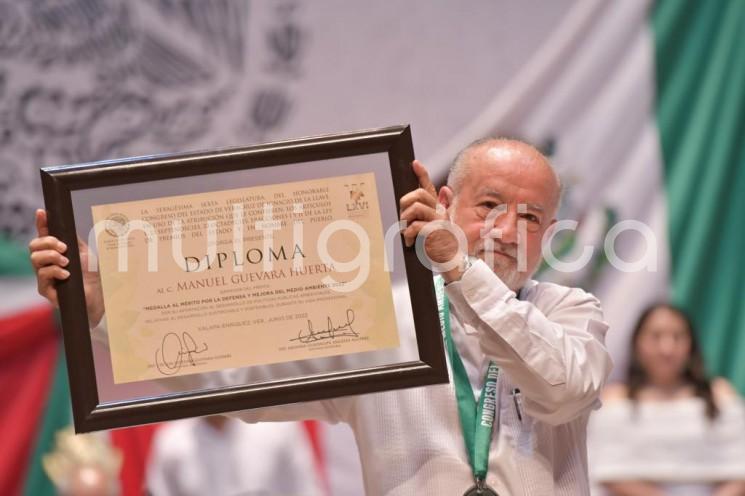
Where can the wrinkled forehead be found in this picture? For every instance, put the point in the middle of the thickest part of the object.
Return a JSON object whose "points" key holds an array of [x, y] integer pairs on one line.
{"points": [[515, 169]]}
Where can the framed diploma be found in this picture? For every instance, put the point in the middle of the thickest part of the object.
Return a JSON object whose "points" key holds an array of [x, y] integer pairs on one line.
{"points": [[210, 282]]}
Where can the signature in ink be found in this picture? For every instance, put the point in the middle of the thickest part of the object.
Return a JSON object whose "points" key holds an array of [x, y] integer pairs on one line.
{"points": [[310, 335], [176, 351]]}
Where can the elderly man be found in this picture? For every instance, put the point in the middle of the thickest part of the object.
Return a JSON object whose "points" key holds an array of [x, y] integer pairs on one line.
{"points": [[532, 353]]}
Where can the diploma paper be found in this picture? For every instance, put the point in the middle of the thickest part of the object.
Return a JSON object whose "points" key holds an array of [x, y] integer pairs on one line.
{"points": [[204, 311]]}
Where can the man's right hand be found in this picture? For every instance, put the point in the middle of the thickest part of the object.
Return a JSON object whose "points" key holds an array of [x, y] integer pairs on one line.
{"points": [[49, 262]]}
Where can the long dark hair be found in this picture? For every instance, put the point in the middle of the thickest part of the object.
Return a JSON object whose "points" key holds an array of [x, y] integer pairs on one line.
{"points": [[694, 373]]}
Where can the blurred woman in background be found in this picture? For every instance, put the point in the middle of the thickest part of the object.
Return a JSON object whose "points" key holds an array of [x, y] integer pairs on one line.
{"points": [[669, 430]]}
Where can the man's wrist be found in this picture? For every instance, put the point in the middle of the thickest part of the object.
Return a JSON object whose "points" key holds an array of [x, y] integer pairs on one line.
{"points": [[456, 273]]}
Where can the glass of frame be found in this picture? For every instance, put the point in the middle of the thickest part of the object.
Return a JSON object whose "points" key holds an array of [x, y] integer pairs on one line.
{"points": [[217, 281]]}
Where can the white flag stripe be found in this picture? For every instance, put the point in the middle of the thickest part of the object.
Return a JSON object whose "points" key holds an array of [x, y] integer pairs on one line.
{"points": [[590, 90]]}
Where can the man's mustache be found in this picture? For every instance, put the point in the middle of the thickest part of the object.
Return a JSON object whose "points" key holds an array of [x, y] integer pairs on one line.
{"points": [[497, 246]]}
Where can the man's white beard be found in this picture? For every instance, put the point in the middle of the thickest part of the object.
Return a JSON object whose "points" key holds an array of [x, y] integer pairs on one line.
{"points": [[507, 272]]}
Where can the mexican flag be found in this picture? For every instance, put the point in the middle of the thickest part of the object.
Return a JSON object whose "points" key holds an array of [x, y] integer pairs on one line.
{"points": [[35, 389], [641, 105], [34, 385]]}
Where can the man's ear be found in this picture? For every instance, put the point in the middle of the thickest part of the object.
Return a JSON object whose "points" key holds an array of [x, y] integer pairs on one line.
{"points": [[445, 197]]}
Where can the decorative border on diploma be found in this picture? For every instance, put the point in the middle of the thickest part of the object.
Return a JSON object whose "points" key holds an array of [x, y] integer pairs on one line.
{"points": [[90, 414]]}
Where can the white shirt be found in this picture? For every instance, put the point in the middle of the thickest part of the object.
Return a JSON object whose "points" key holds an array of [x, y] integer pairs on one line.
{"points": [[672, 443], [191, 457], [549, 344]]}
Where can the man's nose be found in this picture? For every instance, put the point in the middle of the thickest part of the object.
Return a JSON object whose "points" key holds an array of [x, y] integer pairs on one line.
{"points": [[507, 224]]}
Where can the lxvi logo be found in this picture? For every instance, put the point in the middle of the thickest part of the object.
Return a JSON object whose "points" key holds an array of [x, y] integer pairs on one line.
{"points": [[356, 199]]}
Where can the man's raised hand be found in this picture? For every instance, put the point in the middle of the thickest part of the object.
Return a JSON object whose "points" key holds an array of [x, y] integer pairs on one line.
{"points": [[421, 207]]}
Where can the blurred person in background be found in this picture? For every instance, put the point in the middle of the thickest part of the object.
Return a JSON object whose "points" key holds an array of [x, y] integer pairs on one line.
{"points": [[669, 430], [219, 456]]}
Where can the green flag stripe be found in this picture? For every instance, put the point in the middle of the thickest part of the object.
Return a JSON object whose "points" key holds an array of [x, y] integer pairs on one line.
{"points": [[56, 416], [14, 259], [700, 68]]}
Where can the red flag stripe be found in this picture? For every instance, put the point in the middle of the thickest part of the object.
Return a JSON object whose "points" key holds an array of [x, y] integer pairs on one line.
{"points": [[28, 352], [134, 444]]}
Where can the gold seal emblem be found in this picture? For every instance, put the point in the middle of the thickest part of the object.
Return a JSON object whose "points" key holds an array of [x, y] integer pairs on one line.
{"points": [[117, 225]]}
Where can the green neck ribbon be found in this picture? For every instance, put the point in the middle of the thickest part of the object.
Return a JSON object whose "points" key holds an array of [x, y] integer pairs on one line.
{"points": [[476, 418]]}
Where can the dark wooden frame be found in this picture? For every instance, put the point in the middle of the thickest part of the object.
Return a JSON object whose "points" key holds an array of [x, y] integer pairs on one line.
{"points": [[89, 414]]}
